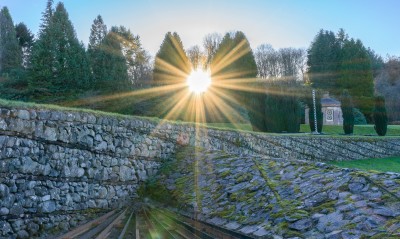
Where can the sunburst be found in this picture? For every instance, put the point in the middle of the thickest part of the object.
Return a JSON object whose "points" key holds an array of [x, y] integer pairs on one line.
{"points": [[198, 81]]}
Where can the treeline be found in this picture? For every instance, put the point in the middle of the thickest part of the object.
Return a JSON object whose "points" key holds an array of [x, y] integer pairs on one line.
{"points": [[387, 84], [55, 65], [269, 86]]}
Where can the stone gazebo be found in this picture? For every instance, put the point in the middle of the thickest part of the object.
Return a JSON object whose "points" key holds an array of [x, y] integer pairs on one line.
{"points": [[332, 113]]}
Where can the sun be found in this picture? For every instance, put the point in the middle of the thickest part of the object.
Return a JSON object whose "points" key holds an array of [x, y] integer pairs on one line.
{"points": [[198, 81]]}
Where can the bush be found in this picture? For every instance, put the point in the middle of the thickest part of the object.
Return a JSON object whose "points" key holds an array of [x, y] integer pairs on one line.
{"points": [[380, 116], [282, 107], [359, 118], [347, 110]]}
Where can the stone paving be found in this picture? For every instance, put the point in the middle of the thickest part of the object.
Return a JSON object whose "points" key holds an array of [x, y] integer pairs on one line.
{"points": [[281, 198]]}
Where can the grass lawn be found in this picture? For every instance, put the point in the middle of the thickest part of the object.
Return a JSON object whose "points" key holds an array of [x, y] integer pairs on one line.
{"points": [[393, 130], [358, 129], [231, 126], [391, 164]]}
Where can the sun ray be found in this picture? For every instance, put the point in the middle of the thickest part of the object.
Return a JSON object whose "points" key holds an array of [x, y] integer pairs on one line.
{"points": [[169, 70], [217, 99], [182, 55], [229, 57], [151, 93], [178, 106], [252, 85], [198, 81], [230, 75], [171, 102]]}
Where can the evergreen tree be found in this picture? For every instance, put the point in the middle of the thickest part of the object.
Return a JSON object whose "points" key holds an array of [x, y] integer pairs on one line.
{"points": [[43, 54], [356, 74], [46, 17], [337, 63], [282, 107], [292, 108], [24, 35], [137, 59], [255, 105], [59, 61], [110, 66], [172, 65], [347, 112], [377, 62], [234, 60], [380, 116], [25, 40], [96, 52], [10, 51], [323, 57], [272, 106], [97, 33]]}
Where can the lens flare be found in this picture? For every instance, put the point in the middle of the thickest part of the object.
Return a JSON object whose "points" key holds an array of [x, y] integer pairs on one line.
{"points": [[198, 81]]}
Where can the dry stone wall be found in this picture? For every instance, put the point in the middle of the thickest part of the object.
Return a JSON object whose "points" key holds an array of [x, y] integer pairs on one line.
{"points": [[59, 167]]}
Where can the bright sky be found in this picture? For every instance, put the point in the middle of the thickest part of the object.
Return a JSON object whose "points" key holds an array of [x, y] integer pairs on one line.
{"points": [[281, 23]]}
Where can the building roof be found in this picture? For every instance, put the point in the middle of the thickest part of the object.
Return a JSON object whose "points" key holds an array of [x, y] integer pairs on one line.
{"points": [[329, 102]]}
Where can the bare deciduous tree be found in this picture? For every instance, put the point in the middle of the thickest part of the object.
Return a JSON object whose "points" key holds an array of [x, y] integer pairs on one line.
{"points": [[286, 62], [196, 57], [210, 44], [387, 84]]}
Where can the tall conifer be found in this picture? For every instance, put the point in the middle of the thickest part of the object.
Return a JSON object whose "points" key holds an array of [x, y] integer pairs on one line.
{"points": [[348, 112], [59, 62], [172, 65], [10, 51]]}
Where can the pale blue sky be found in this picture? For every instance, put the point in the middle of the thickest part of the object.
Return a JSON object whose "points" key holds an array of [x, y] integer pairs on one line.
{"points": [[281, 23]]}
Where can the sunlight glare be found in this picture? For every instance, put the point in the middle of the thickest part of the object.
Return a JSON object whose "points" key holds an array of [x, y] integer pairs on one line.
{"points": [[198, 81]]}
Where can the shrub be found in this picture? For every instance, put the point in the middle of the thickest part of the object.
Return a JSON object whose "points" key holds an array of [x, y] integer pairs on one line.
{"points": [[380, 116], [359, 118], [347, 111]]}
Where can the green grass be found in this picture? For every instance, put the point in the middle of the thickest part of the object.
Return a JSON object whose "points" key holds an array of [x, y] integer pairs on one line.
{"points": [[393, 130], [359, 130], [237, 126], [391, 164], [30, 105]]}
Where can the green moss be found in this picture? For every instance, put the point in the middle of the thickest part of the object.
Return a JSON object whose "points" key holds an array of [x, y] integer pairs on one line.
{"points": [[268, 207], [155, 190], [283, 226], [244, 177], [286, 183], [344, 187], [250, 198], [225, 156], [296, 189], [238, 142], [350, 226], [329, 206], [277, 177], [233, 196], [278, 214], [225, 173], [227, 212], [271, 164], [241, 219]]}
